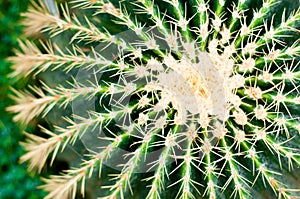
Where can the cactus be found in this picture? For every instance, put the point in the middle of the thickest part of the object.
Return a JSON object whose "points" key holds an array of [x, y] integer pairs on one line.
{"points": [[169, 99]]}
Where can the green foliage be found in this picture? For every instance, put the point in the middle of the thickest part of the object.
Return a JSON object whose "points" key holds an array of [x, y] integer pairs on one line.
{"points": [[15, 181]]}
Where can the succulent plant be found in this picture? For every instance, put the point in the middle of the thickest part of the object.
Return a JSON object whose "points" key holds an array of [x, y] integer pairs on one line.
{"points": [[168, 99]]}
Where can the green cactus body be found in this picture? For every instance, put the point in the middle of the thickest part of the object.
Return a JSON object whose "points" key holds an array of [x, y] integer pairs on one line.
{"points": [[168, 99]]}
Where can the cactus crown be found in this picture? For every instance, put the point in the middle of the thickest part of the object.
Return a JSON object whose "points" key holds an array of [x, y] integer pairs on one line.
{"points": [[171, 99]]}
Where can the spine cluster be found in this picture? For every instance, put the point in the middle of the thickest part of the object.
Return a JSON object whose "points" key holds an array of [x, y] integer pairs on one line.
{"points": [[189, 99]]}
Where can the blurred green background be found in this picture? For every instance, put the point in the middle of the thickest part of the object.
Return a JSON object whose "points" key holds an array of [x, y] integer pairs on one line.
{"points": [[15, 181]]}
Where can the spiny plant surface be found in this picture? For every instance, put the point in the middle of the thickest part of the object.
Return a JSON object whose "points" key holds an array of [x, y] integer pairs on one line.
{"points": [[171, 99]]}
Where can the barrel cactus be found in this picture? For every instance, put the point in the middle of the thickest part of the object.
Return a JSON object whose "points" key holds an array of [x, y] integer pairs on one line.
{"points": [[163, 99]]}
